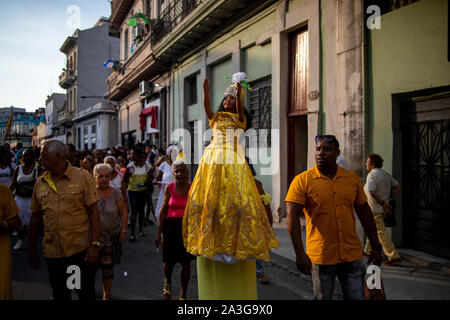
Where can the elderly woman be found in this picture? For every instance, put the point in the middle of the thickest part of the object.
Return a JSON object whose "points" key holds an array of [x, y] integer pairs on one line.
{"points": [[170, 225], [113, 224], [379, 188], [116, 176]]}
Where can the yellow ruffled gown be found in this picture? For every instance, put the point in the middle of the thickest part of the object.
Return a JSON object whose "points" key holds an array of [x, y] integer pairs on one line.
{"points": [[225, 219]]}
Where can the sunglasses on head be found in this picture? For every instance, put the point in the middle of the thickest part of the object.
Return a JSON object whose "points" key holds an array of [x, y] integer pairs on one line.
{"points": [[327, 137]]}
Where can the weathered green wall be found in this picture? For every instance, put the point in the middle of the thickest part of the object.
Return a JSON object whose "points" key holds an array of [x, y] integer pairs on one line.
{"points": [[219, 83], [408, 53], [258, 62]]}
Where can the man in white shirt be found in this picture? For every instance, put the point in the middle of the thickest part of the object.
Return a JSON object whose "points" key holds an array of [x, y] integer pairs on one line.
{"points": [[379, 187]]}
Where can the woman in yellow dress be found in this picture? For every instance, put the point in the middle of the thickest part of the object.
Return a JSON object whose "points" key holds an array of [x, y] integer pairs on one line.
{"points": [[9, 222], [225, 223]]}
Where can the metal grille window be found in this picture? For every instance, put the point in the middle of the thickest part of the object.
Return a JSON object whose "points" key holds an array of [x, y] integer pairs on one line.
{"points": [[260, 107]]}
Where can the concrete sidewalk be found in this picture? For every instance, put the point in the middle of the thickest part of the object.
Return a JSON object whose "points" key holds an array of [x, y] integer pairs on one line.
{"points": [[420, 276]]}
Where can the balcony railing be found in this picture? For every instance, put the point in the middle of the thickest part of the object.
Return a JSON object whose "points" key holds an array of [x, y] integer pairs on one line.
{"points": [[387, 6], [171, 16], [119, 10], [66, 78], [111, 81]]}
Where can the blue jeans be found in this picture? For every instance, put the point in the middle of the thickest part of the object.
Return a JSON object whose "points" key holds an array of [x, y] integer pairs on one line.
{"points": [[351, 275], [259, 267]]}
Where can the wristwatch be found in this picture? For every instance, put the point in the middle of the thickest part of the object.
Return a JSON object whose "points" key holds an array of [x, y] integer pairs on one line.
{"points": [[96, 243]]}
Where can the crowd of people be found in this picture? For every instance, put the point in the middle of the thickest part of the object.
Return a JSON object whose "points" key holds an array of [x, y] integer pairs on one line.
{"points": [[82, 204], [105, 193]]}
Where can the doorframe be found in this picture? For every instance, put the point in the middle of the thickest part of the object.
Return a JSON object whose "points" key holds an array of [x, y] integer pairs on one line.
{"points": [[291, 116], [398, 100]]}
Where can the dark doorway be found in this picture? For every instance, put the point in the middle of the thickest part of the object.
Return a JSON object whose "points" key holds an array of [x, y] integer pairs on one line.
{"points": [[426, 167]]}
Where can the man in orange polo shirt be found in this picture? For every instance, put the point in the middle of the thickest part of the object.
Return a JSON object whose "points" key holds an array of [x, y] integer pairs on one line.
{"points": [[327, 194]]}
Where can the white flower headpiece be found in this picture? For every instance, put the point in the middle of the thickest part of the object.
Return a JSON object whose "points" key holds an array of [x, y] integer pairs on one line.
{"points": [[237, 77]]}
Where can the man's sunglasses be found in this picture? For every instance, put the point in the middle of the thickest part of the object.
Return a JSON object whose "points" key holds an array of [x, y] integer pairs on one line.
{"points": [[327, 137]]}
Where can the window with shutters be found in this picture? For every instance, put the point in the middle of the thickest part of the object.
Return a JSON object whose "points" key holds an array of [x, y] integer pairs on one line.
{"points": [[260, 107]]}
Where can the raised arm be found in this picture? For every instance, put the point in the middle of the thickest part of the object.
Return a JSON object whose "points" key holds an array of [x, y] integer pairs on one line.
{"points": [[239, 103], [206, 102]]}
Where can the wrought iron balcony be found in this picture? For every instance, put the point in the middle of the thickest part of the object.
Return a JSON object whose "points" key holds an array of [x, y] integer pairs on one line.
{"points": [[172, 15], [119, 10], [183, 25], [67, 78], [387, 6]]}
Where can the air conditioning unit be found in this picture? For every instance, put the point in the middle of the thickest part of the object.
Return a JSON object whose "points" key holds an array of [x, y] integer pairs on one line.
{"points": [[139, 31], [145, 88]]}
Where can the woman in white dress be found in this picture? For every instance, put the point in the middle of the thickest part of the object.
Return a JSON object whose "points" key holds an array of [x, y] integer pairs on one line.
{"points": [[164, 176], [23, 182]]}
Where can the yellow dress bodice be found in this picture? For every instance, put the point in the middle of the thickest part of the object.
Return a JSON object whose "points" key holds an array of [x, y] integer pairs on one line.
{"points": [[224, 213]]}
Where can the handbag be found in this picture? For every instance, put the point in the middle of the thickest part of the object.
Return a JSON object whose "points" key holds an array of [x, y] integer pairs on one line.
{"points": [[389, 219], [116, 249], [375, 294]]}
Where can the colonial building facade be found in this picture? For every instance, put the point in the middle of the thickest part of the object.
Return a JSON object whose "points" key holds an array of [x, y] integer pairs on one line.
{"points": [[315, 67], [86, 111]]}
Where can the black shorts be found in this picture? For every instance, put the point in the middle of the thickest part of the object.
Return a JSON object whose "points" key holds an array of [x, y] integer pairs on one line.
{"points": [[173, 249]]}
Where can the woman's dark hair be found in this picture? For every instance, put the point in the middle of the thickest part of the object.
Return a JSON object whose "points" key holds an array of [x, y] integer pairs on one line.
{"points": [[162, 151], [91, 160], [248, 115], [139, 149], [376, 160]]}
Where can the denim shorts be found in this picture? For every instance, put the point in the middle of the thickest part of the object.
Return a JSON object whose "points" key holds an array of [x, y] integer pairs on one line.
{"points": [[351, 276]]}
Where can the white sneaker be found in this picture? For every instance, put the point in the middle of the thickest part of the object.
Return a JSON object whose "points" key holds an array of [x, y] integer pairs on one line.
{"points": [[18, 245]]}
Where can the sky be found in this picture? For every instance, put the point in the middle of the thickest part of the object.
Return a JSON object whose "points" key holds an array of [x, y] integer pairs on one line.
{"points": [[31, 33]]}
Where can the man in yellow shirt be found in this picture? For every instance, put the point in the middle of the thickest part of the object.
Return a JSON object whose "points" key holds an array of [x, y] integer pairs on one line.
{"points": [[327, 194], [65, 202]]}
